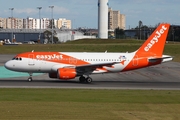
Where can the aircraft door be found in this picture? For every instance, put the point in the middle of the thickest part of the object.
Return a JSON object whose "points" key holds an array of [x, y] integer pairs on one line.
{"points": [[31, 59], [135, 60], [72, 61]]}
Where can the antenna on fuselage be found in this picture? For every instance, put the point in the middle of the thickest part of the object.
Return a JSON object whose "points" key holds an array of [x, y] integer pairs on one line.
{"points": [[32, 51]]}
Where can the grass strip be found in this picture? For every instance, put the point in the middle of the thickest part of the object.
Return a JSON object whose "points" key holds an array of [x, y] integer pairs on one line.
{"points": [[87, 104]]}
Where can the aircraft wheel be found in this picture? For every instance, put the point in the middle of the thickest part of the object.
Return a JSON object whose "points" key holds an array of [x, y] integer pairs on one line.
{"points": [[88, 79], [30, 79], [82, 79]]}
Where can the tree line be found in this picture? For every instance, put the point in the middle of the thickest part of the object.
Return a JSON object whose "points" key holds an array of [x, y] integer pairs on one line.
{"points": [[143, 32]]}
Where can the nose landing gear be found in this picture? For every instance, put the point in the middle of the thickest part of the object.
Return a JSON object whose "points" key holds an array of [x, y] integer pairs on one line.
{"points": [[30, 77]]}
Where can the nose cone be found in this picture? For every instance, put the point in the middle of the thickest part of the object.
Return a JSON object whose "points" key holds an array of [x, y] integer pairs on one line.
{"points": [[9, 65]]}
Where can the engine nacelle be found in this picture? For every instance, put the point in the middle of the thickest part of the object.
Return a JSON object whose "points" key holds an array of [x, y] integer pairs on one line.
{"points": [[64, 73]]}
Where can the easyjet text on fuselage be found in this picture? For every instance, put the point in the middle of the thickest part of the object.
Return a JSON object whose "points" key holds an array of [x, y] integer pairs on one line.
{"points": [[49, 57]]}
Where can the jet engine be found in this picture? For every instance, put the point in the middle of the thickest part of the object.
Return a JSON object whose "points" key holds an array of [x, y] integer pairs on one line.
{"points": [[64, 73]]}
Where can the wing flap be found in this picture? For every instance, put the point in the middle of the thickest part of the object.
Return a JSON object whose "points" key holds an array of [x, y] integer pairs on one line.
{"points": [[89, 68]]}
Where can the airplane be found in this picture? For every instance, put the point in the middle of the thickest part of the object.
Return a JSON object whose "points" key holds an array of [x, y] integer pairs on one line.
{"points": [[69, 65]]}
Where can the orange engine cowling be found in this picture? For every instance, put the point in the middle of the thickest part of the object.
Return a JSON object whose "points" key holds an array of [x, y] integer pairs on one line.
{"points": [[66, 73], [63, 73]]}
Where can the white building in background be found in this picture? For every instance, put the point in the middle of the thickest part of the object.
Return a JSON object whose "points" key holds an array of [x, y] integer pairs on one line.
{"points": [[31, 23], [28, 23], [37, 24], [9, 23], [103, 6], [18, 23], [55, 23], [13, 23], [2, 22], [45, 23]]}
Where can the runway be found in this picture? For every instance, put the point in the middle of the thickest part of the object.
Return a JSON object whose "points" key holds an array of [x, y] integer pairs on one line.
{"points": [[161, 77]]}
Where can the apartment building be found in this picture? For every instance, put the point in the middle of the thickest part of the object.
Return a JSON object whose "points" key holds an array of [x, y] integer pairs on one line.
{"points": [[63, 23], [10, 23], [123, 21], [18, 23], [45, 23], [115, 20], [31, 23], [14, 23], [2, 22]]}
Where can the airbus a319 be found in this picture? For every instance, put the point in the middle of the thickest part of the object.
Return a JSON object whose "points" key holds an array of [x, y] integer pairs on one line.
{"points": [[68, 65]]}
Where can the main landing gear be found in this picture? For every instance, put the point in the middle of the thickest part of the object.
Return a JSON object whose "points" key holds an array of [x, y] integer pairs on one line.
{"points": [[30, 77], [82, 79]]}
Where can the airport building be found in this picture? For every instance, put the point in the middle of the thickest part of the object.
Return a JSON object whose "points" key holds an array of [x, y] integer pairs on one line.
{"points": [[30, 29], [115, 20], [27, 35]]}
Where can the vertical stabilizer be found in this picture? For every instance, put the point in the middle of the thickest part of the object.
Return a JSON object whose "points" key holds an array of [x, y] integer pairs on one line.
{"points": [[156, 42]]}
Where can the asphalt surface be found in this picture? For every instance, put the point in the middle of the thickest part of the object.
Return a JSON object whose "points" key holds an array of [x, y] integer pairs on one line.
{"points": [[161, 77]]}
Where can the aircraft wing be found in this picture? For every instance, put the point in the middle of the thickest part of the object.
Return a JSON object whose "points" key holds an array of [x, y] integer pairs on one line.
{"points": [[97, 65], [88, 68]]}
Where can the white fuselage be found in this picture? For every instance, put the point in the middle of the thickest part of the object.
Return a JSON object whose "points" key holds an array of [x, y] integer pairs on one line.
{"points": [[42, 65]]}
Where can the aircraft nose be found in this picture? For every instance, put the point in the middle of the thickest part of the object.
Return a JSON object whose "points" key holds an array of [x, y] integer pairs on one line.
{"points": [[8, 65]]}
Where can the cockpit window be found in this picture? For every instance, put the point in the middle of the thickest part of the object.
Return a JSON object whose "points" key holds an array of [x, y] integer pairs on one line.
{"points": [[17, 58]]}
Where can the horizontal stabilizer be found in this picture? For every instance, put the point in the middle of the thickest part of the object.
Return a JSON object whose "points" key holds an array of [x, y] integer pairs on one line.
{"points": [[167, 58], [164, 58]]}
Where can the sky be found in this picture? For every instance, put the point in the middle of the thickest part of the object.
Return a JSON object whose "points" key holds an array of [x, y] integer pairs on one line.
{"points": [[84, 13]]}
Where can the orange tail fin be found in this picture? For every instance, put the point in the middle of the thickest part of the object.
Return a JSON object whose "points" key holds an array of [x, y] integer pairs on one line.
{"points": [[156, 42]]}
